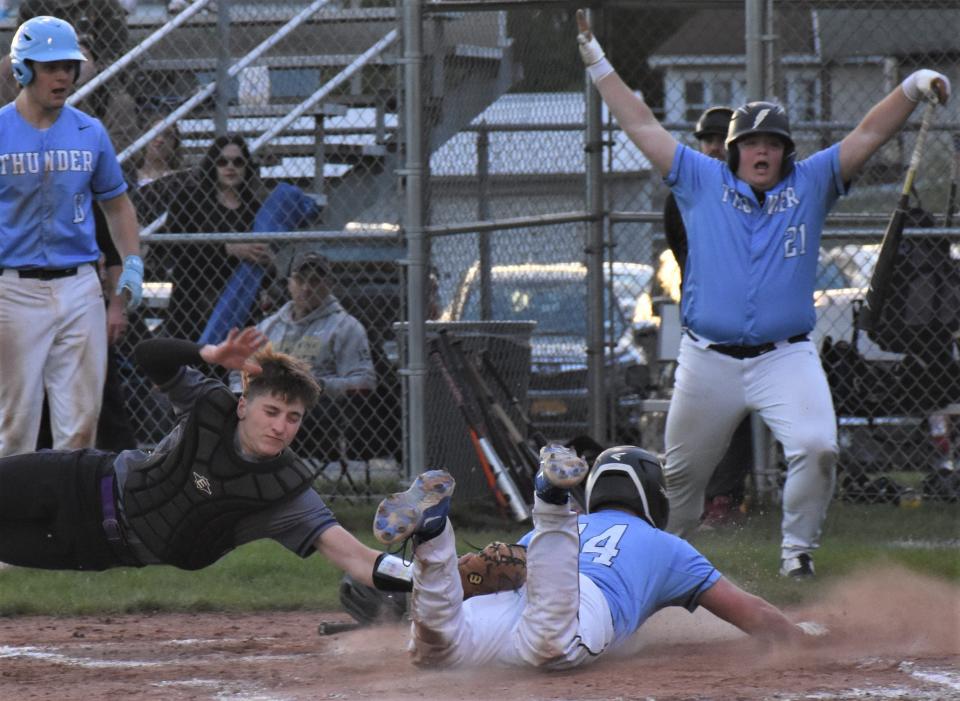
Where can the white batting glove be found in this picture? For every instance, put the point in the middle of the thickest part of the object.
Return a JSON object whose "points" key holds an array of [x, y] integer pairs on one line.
{"points": [[590, 50], [928, 85], [813, 629]]}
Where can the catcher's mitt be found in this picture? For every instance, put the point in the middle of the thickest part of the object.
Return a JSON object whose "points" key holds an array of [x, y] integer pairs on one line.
{"points": [[498, 567], [368, 605]]}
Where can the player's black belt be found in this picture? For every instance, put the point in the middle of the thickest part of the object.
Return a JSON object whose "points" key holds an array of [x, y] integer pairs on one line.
{"points": [[43, 273], [742, 352]]}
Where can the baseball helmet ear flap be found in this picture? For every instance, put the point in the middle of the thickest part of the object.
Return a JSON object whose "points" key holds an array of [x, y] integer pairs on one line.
{"points": [[629, 477], [760, 118], [43, 39]]}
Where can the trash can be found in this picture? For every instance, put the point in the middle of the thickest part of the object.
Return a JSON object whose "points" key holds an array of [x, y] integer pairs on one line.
{"points": [[449, 444]]}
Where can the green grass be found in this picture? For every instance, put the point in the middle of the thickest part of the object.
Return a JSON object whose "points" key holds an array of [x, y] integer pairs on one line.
{"points": [[264, 576], [925, 539]]}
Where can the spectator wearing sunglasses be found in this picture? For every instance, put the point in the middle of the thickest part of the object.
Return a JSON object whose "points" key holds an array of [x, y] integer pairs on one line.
{"points": [[223, 196]]}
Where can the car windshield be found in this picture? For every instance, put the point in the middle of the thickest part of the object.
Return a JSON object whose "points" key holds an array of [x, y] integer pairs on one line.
{"points": [[558, 305]]}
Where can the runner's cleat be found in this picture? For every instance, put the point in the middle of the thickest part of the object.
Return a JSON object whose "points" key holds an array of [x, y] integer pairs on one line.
{"points": [[420, 512], [560, 469]]}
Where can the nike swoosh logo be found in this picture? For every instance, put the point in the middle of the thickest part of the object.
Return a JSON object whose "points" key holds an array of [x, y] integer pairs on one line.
{"points": [[430, 520], [85, 126]]}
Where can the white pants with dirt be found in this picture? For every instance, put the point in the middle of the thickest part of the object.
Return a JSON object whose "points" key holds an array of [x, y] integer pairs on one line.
{"points": [[560, 619], [787, 387], [53, 337]]}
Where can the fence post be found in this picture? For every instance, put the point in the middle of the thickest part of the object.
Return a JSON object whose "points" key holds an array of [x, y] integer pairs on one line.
{"points": [[415, 457], [596, 400], [483, 214], [753, 12]]}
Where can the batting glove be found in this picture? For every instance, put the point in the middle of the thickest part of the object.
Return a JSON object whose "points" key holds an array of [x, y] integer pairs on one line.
{"points": [[922, 83], [591, 52], [131, 281], [813, 629]]}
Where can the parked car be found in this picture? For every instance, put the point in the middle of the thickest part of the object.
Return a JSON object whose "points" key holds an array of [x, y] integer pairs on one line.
{"points": [[843, 277], [554, 296]]}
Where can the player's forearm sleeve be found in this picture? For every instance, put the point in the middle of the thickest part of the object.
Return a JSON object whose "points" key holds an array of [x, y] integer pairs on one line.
{"points": [[162, 358]]}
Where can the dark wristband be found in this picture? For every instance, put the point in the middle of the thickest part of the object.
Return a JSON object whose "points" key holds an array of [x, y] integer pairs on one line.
{"points": [[390, 573]]}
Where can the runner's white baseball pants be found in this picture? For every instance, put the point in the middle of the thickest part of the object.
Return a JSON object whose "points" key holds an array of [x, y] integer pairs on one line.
{"points": [[560, 619]]}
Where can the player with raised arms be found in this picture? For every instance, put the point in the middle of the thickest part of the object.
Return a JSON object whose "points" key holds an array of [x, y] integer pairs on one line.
{"points": [[753, 230]]}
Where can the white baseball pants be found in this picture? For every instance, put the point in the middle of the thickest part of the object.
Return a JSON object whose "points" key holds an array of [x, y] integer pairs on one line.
{"points": [[787, 387], [560, 619], [53, 336]]}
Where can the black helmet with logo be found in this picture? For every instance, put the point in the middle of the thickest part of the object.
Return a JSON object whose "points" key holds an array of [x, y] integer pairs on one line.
{"points": [[760, 118], [630, 477]]}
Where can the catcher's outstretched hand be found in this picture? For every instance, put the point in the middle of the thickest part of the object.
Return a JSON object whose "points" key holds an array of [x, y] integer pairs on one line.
{"points": [[234, 352]]}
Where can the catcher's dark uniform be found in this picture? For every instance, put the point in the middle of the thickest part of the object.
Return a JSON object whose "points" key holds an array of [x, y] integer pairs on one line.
{"points": [[187, 503]]}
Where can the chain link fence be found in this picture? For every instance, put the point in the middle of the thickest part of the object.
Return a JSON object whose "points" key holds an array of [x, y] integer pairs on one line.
{"points": [[522, 163], [254, 132]]}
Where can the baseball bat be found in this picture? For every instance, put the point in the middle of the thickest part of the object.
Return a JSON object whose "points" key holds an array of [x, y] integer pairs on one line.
{"points": [[539, 439], [334, 627], [506, 484], [890, 246], [954, 174], [465, 412], [524, 462]]}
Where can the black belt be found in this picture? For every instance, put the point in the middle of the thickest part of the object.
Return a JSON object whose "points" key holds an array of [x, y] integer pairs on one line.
{"points": [[43, 273], [742, 352]]}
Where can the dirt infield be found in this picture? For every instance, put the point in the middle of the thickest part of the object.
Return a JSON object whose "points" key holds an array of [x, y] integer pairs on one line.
{"points": [[894, 636]]}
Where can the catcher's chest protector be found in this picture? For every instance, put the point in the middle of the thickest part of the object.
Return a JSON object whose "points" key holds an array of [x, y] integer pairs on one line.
{"points": [[185, 503]]}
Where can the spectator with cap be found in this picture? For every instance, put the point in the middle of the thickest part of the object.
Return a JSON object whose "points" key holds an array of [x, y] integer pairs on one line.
{"points": [[314, 327]]}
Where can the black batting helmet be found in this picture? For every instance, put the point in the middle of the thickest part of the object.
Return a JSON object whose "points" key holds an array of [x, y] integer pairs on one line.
{"points": [[631, 477], [713, 121], [760, 118]]}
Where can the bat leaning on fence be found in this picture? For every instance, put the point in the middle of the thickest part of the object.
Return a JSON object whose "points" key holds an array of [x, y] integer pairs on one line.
{"points": [[522, 459], [954, 174], [479, 432], [468, 419], [538, 438], [880, 281], [534, 432]]}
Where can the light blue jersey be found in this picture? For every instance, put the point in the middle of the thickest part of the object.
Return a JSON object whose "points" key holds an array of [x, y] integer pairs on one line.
{"points": [[48, 181], [639, 568], [750, 271]]}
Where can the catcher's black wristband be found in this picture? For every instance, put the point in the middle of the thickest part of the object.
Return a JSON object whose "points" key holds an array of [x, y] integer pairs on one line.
{"points": [[391, 573]]}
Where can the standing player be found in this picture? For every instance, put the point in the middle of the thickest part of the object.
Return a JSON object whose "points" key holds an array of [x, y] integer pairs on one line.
{"points": [[753, 226], [54, 162], [591, 580], [725, 491]]}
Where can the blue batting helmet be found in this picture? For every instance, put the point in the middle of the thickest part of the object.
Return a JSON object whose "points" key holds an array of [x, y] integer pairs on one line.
{"points": [[43, 39]]}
